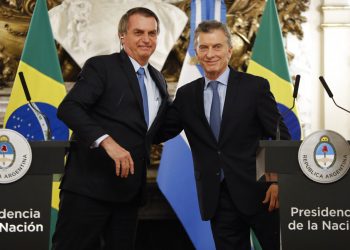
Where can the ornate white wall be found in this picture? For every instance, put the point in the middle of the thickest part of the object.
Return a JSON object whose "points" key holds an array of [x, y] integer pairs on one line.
{"points": [[325, 50], [336, 63]]}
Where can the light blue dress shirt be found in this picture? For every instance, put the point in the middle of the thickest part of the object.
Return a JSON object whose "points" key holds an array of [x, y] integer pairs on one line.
{"points": [[208, 92]]}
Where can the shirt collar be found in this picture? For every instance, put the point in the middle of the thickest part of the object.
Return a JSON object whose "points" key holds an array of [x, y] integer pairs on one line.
{"points": [[223, 78], [137, 65]]}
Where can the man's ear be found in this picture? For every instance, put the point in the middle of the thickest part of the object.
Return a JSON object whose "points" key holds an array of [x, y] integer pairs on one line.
{"points": [[230, 50], [195, 50], [121, 37]]}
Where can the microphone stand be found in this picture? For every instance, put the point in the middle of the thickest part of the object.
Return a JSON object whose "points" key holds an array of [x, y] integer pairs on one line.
{"points": [[295, 94], [34, 107]]}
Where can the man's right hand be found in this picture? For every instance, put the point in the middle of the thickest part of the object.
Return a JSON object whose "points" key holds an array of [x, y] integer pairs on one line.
{"points": [[122, 158]]}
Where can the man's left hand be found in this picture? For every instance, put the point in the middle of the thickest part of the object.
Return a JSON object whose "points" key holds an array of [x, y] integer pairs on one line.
{"points": [[272, 197]]}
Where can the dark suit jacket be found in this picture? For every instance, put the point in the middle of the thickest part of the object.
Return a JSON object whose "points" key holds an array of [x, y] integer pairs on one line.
{"points": [[250, 114], [107, 100]]}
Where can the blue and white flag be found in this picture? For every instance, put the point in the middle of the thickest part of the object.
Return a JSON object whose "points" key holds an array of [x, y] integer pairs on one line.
{"points": [[176, 175]]}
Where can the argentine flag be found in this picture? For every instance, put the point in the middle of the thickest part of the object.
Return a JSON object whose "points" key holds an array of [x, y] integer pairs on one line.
{"points": [[175, 175]]}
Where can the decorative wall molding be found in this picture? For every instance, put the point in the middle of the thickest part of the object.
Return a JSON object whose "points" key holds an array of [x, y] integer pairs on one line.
{"points": [[335, 63]]}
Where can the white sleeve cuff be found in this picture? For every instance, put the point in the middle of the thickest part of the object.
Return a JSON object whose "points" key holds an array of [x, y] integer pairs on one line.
{"points": [[96, 143]]}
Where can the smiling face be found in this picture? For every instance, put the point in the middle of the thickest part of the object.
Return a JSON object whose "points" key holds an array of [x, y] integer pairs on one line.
{"points": [[213, 52], [140, 40]]}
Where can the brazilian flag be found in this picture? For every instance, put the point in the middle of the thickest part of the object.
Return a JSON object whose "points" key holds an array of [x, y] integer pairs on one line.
{"points": [[40, 66], [269, 61]]}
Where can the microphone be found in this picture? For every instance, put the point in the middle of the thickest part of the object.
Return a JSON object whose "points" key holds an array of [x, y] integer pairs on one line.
{"points": [[296, 87], [329, 92], [24, 86], [295, 94], [325, 86], [48, 133]]}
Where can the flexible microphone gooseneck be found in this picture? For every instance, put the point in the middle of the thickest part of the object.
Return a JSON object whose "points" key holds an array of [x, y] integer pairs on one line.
{"points": [[295, 94], [329, 92], [27, 94]]}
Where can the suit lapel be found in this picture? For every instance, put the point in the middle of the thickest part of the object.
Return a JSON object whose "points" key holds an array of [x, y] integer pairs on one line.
{"points": [[161, 85], [131, 75], [134, 84], [199, 89], [230, 99]]}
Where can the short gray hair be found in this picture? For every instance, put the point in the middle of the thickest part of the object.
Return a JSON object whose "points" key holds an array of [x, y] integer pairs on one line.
{"points": [[123, 23], [208, 27]]}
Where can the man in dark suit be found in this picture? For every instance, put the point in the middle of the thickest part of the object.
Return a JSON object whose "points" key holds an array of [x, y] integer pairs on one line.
{"points": [[224, 115], [114, 110]]}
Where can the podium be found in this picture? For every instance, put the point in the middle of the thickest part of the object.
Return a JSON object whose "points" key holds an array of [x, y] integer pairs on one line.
{"points": [[312, 215], [25, 207]]}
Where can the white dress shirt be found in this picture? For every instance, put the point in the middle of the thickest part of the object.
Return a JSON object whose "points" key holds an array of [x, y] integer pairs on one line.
{"points": [[153, 95]]}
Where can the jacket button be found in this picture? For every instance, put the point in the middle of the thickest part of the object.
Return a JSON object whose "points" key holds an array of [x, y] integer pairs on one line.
{"points": [[219, 152]]}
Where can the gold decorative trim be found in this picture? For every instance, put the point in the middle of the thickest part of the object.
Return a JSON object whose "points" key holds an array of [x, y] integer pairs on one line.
{"points": [[335, 25], [243, 17], [335, 7]]}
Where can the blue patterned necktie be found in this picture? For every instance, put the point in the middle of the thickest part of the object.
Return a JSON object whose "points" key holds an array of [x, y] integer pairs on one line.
{"points": [[215, 114], [140, 78]]}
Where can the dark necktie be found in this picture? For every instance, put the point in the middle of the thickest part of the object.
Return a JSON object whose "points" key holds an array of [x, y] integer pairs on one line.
{"points": [[215, 114], [140, 77]]}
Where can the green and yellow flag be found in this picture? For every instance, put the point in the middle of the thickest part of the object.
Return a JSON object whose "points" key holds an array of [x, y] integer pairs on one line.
{"points": [[269, 61], [40, 66]]}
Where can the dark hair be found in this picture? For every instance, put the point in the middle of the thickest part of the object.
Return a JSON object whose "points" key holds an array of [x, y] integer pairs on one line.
{"points": [[209, 26], [123, 23]]}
